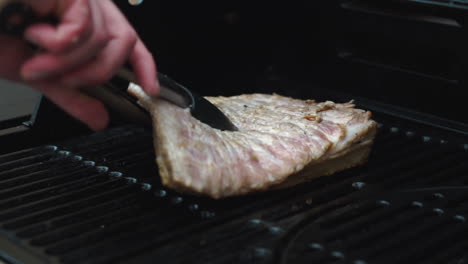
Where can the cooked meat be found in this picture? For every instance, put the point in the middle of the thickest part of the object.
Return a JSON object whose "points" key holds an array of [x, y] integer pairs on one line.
{"points": [[281, 142]]}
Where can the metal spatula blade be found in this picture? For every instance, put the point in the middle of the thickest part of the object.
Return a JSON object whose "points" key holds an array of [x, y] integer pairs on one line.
{"points": [[209, 114], [200, 108]]}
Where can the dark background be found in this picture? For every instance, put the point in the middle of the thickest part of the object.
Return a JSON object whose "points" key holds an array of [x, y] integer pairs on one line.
{"points": [[398, 52]]}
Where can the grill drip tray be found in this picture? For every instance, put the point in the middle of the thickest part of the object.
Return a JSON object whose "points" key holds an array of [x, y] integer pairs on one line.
{"points": [[97, 200]]}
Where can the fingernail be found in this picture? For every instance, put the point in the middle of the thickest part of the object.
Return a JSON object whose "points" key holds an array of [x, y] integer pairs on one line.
{"points": [[34, 76]]}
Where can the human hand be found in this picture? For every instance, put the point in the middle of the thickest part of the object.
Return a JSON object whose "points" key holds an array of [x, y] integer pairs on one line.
{"points": [[89, 45]]}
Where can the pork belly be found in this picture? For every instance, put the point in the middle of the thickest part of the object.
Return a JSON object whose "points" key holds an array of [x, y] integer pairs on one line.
{"points": [[281, 142]]}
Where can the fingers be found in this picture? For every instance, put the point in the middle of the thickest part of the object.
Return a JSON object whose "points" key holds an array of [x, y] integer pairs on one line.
{"points": [[61, 40], [145, 68], [77, 24], [91, 43], [123, 45], [112, 57], [49, 64], [84, 108], [139, 57], [75, 27], [104, 67]]}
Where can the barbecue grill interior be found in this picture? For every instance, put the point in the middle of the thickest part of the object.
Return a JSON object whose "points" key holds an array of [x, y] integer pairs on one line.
{"points": [[68, 195]]}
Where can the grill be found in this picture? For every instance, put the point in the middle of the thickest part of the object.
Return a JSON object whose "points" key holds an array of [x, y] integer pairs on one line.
{"points": [[70, 196], [95, 199]]}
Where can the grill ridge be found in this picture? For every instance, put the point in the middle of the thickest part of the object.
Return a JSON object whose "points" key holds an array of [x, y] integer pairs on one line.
{"points": [[41, 183]]}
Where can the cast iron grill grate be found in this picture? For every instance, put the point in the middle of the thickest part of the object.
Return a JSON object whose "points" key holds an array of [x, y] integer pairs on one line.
{"points": [[97, 200]]}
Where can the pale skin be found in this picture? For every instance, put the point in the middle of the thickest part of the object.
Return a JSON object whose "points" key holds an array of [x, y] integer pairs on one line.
{"points": [[89, 45]]}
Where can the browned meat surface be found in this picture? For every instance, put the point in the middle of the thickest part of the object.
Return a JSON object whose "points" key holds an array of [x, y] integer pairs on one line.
{"points": [[281, 142]]}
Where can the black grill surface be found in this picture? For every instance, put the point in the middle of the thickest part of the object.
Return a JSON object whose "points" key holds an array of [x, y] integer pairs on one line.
{"points": [[98, 199]]}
